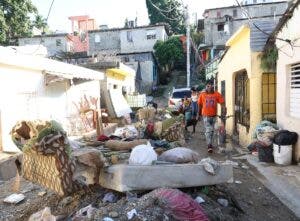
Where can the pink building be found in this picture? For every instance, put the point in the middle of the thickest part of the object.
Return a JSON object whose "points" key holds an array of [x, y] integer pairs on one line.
{"points": [[80, 27]]}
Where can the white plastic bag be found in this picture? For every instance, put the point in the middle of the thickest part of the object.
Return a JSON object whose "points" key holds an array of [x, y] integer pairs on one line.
{"points": [[142, 155]]}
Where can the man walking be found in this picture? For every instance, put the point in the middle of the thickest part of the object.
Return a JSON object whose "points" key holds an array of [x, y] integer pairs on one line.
{"points": [[207, 103]]}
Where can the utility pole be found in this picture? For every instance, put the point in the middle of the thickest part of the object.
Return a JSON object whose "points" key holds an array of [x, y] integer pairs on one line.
{"points": [[188, 69]]}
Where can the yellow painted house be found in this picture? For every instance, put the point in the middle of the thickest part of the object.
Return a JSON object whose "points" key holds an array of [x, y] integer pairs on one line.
{"points": [[249, 91]]}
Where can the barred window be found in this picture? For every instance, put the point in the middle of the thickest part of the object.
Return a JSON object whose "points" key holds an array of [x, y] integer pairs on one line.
{"points": [[269, 97], [295, 91], [242, 99]]}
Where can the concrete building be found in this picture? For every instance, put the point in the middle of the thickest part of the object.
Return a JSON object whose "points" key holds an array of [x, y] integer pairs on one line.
{"points": [[55, 43], [34, 87], [146, 68], [104, 41], [249, 91], [141, 39], [134, 47], [219, 24], [288, 72], [79, 36], [119, 80]]}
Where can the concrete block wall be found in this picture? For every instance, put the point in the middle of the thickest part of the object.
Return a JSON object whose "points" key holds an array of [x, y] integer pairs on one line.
{"points": [[217, 16], [100, 41], [50, 42], [139, 42]]}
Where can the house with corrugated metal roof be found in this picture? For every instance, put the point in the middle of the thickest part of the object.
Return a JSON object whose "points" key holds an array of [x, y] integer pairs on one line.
{"points": [[33, 87], [249, 91]]}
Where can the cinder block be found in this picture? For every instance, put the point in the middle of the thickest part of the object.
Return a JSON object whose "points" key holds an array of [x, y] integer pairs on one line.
{"points": [[8, 167]]}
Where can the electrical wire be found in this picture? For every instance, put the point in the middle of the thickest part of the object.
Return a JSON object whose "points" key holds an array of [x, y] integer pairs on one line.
{"points": [[161, 11], [256, 26], [43, 31]]}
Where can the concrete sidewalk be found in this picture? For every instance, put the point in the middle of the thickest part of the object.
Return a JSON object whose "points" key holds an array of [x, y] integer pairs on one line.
{"points": [[282, 181]]}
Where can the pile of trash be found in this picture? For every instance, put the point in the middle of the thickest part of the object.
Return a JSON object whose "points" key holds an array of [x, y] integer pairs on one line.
{"points": [[268, 139], [159, 204]]}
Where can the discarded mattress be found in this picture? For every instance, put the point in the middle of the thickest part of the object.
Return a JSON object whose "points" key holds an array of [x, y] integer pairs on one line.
{"points": [[124, 178]]}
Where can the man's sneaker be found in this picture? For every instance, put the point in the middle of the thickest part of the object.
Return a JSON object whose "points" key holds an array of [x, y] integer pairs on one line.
{"points": [[210, 148]]}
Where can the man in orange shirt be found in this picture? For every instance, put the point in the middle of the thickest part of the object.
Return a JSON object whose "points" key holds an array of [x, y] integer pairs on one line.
{"points": [[207, 103]]}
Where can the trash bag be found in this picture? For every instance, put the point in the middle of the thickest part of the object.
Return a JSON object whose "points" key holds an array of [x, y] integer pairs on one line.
{"points": [[179, 155], [266, 134], [285, 137], [265, 154], [142, 155], [261, 125], [180, 205], [254, 146]]}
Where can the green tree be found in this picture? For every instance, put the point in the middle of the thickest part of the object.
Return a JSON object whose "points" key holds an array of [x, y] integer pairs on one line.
{"points": [[168, 52], [167, 11], [198, 38], [15, 19], [40, 23]]}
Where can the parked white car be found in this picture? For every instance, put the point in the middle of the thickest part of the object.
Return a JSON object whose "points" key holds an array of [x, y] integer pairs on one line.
{"points": [[176, 95]]}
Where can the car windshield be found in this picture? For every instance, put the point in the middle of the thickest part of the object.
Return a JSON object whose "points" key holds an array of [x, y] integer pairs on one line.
{"points": [[181, 94]]}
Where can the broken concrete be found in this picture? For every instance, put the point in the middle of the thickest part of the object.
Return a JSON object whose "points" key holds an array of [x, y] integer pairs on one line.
{"points": [[129, 177], [89, 162], [8, 167]]}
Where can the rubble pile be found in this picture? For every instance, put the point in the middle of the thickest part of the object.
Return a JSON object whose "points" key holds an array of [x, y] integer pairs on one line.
{"points": [[151, 146]]}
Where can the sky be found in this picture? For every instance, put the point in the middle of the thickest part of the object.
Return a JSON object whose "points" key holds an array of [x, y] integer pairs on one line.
{"points": [[111, 12]]}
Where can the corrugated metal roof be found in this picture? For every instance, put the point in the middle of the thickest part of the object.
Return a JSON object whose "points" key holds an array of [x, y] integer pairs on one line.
{"points": [[258, 38], [49, 66]]}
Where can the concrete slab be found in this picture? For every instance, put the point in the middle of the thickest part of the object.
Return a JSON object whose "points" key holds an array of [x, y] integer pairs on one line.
{"points": [[8, 167], [124, 178]]}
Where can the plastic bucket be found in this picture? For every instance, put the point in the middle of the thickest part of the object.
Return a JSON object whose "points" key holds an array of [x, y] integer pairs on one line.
{"points": [[282, 154]]}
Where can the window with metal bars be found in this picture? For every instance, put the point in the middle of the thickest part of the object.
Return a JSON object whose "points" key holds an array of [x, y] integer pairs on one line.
{"points": [[242, 99], [269, 97], [295, 91]]}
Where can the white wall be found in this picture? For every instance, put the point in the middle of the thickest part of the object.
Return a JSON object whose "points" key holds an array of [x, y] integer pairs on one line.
{"points": [[287, 57], [147, 71], [24, 96], [140, 43], [49, 42], [20, 92]]}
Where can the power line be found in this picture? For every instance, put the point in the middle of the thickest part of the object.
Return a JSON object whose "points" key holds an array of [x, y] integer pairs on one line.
{"points": [[43, 31], [49, 10], [161, 11], [257, 27]]}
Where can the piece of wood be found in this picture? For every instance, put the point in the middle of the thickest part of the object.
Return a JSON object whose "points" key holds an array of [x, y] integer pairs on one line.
{"points": [[124, 145]]}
